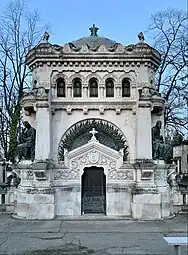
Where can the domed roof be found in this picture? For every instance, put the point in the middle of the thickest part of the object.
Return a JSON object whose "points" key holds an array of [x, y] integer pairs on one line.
{"points": [[94, 40]]}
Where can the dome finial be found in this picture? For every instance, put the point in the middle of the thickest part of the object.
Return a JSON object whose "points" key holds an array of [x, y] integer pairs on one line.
{"points": [[46, 37], [141, 37], [94, 30]]}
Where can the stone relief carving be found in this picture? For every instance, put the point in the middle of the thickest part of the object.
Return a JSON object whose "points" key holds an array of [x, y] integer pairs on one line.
{"points": [[41, 92], [120, 48], [146, 174], [102, 49], [84, 48], [67, 48], [66, 174], [40, 175], [121, 174], [28, 175], [145, 92], [93, 157]]}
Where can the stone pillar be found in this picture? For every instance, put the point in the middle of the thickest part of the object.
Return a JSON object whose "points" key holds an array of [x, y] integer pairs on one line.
{"points": [[69, 91], [85, 91], [101, 91], [53, 90], [43, 127], [118, 91], [143, 135]]}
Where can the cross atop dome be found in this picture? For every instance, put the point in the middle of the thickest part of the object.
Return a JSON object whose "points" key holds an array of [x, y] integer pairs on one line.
{"points": [[93, 30]]}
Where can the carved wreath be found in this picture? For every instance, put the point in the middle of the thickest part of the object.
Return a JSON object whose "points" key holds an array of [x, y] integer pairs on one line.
{"points": [[79, 134]]}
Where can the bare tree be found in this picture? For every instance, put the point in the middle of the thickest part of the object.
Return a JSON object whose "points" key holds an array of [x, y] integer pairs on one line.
{"points": [[20, 30], [169, 31]]}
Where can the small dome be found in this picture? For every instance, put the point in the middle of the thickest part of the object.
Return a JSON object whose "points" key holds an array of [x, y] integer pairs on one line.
{"points": [[94, 40]]}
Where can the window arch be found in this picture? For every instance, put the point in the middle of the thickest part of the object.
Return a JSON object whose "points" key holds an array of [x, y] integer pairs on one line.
{"points": [[60, 87], [77, 88], [93, 87], [109, 83], [126, 91]]}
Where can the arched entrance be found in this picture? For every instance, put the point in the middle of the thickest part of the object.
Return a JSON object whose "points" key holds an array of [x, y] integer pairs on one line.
{"points": [[93, 190]]}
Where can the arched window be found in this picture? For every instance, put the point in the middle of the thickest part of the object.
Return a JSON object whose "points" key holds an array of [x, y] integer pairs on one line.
{"points": [[77, 88], [126, 88], [109, 87], [60, 87], [93, 87]]}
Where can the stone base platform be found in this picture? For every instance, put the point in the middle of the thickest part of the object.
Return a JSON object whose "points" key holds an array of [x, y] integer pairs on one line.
{"points": [[141, 193]]}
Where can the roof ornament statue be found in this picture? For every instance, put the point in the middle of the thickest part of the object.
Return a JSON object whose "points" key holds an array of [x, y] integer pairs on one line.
{"points": [[141, 37], [46, 37], [93, 30]]}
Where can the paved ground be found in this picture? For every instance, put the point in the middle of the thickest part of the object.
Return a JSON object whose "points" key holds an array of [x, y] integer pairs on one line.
{"points": [[104, 237]]}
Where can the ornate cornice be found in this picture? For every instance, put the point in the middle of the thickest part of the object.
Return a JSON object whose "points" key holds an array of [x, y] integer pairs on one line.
{"points": [[54, 55], [99, 105]]}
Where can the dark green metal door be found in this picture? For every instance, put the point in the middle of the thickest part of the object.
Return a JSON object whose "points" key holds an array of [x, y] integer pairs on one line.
{"points": [[93, 190]]}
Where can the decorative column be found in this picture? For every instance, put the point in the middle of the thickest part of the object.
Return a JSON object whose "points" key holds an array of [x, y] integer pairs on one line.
{"points": [[143, 135], [118, 91], [85, 91], [69, 91], [43, 125], [35, 194], [101, 91]]}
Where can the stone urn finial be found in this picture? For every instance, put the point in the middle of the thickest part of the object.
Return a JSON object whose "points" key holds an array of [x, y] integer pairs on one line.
{"points": [[141, 37], [46, 37]]}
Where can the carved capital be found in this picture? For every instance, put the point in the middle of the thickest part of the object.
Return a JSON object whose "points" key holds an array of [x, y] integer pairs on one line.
{"points": [[42, 105]]}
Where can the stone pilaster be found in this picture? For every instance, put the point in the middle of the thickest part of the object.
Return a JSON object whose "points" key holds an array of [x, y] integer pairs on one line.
{"points": [[43, 127], [117, 91], [85, 91], [69, 91], [143, 134], [101, 91]]}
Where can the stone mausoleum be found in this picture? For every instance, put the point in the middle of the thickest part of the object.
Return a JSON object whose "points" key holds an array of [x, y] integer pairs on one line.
{"points": [[93, 104]]}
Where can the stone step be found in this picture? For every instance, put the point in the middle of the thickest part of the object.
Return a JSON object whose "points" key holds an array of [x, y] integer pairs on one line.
{"points": [[2, 208], [184, 208], [68, 249]]}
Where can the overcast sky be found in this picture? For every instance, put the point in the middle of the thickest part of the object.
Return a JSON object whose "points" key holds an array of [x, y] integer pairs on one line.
{"points": [[120, 20]]}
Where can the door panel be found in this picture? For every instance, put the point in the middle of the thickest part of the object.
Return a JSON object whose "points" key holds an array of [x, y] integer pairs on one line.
{"points": [[93, 190]]}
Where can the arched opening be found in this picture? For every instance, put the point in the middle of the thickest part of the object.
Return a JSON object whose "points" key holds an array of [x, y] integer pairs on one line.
{"points": [[77, 88], [93, 87], [109, 87], [93, 190], [60, 87], [126, 88]]}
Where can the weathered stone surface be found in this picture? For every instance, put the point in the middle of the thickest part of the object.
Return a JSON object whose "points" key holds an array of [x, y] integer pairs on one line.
{"points": [[107, 132]]}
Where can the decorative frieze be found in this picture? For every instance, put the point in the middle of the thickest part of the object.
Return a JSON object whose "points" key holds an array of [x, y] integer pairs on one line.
{"points": [[66, 174], [120, 174], [86, 106]]}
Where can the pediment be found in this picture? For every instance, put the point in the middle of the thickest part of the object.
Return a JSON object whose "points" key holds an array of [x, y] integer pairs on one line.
{"points": [[92, 146], [93, 153]]}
